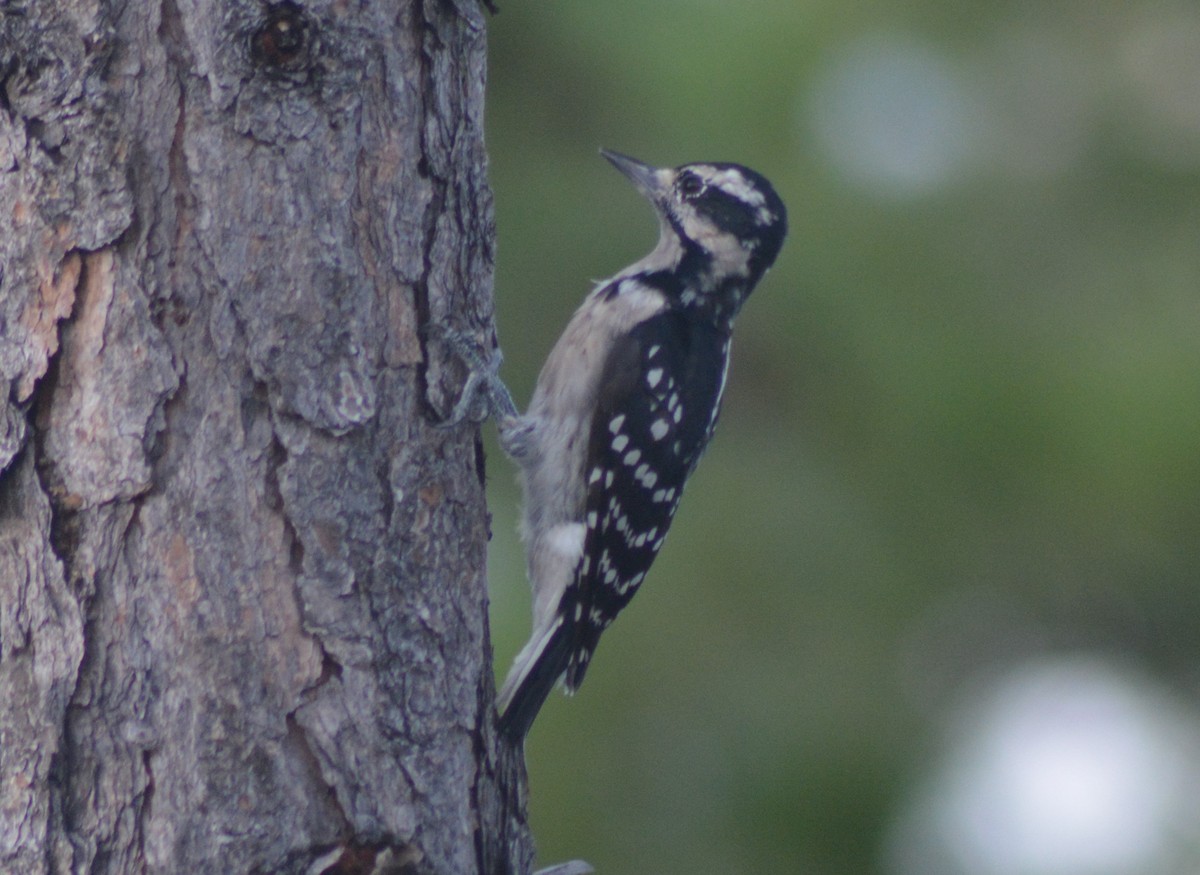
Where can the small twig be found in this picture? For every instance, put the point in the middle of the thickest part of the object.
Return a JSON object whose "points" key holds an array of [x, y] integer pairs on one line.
{"points": [[573, 867]]}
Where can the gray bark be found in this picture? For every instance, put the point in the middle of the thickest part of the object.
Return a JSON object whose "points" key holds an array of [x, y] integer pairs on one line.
{"points": [[243, 607]]}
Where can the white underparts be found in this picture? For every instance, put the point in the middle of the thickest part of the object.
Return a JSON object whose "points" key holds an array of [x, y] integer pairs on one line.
{"points": [[553, 556]]}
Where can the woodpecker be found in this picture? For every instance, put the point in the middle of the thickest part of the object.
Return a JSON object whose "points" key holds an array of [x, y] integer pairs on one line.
{"points": [[622, 411]]}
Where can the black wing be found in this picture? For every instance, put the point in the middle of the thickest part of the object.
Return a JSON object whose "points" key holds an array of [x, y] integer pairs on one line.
{"points": [[659, 400]]}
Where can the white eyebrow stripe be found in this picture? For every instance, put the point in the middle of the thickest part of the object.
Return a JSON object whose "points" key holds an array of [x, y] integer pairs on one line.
{"points": [[733, 183]]}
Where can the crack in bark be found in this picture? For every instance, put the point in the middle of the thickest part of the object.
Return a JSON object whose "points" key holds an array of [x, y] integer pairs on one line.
{"points": [[312, 764], [421, 295], [64, 529], [276, 458], [90, 670], [145, 813], [173, 38]]}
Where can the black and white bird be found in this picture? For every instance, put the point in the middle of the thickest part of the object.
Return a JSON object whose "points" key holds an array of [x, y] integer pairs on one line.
{"points": [[623, 409]]}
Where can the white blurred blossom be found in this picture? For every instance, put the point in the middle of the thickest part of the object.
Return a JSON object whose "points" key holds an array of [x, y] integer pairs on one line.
{"points": [[1062, 768]]}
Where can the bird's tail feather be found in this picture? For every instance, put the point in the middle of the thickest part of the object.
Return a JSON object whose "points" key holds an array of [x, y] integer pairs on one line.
{"points": [[535, 671]]}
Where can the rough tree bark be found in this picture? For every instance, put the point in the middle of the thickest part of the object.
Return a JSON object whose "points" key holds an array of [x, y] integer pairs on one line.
{"points": [[242, 598]]}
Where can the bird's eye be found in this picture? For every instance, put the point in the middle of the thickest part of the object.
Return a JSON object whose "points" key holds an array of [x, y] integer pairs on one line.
{"points": [[690, 185]]}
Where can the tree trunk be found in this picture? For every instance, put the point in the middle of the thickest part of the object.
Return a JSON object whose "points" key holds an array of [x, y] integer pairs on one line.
{"points": [[243, 612]]}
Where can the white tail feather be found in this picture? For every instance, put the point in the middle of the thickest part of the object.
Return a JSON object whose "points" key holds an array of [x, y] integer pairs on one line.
{"points": [[524, 663]]}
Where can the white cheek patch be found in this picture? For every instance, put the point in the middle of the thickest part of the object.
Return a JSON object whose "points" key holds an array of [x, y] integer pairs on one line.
{"points": [[730, 257]]}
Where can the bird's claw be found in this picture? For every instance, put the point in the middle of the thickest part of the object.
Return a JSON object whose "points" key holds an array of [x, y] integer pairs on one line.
{"points": [[483, 394]]}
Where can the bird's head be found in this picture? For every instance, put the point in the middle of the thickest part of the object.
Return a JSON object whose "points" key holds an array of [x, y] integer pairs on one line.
{"points": [[722, 226]]}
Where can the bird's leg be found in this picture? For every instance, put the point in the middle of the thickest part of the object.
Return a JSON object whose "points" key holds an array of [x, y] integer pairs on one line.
{"points": [[484, 393]]}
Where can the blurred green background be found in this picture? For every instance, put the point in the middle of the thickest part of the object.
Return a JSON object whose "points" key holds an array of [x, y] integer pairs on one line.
{"points": [[960, 441]]}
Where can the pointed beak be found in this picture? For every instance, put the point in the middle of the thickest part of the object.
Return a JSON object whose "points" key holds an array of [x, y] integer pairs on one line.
{"points": [[649, 180]]}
